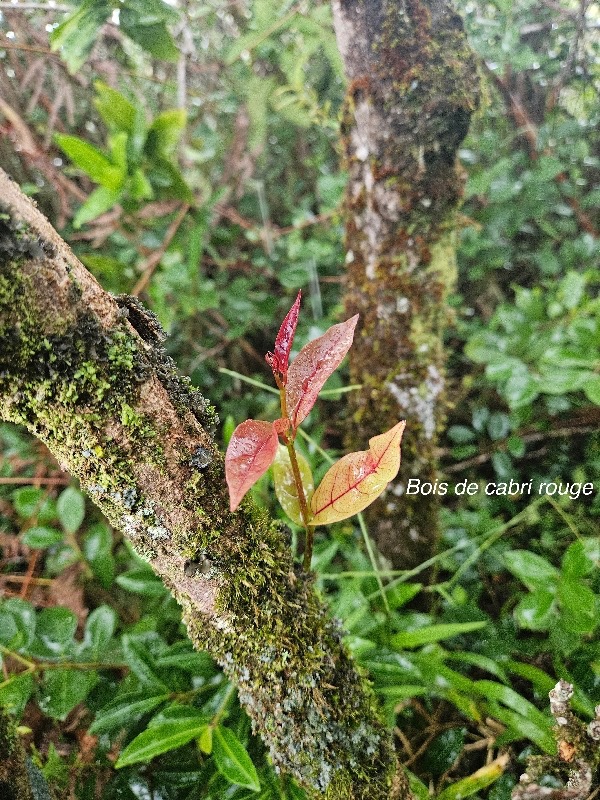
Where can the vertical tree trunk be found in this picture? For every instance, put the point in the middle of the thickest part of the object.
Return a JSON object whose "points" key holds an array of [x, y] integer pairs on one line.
{"points": [[413, 86], [87, 375]]}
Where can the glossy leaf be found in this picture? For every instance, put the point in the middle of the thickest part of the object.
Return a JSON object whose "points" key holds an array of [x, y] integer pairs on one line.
{"points": [[141, 662], [249, 455], [357, 479], [99, 629], [285, 485], [232, 760], [161, 738], [434, 633], [279, 360], [313, 365], [477, 781], [123, 711]]}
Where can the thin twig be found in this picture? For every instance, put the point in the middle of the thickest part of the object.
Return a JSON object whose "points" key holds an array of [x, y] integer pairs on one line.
{"points": [[153, 260]]}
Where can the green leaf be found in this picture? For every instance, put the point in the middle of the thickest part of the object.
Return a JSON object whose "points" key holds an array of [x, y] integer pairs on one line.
{"points": [[165, 133], [285, 485], [141, 662], [9, 631], [478, 660], [63, 689], [141, 580], [181, 656], [126, 709], [525, 728], [417, 787], [75, 36], [591, 388], [232, 760], [433, 633], [114, 108], [41, 537], [205, 740], [98, 202], [476, 782], [582, 557], [533, 570], [542, 682], [15, 692], [528, 720], [161, 738], [168, 181], [401, 594], [578, 604], [536, 611], [56, 628], [27, 501], [99, 629], [460, 434], [146, 27], [89, 159], [443, 751], [521, 388], [139, 186], [23, 614], [97, 549], [71, 509]]}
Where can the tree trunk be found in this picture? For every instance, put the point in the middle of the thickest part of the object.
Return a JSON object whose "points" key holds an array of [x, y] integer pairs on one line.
{"points": [[413, 86], [87, 375]]}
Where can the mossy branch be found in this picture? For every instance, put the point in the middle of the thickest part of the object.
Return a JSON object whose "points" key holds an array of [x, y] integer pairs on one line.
{"points": [[86, 373]]}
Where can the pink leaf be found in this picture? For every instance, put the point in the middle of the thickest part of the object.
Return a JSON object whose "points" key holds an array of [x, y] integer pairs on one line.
{"points": [[250, 453], [313, 365], [357, 479], [279, 360]]}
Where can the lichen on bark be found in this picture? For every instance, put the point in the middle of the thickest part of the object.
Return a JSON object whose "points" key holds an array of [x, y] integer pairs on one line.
{"points": [[88, 376], [413, 86]]}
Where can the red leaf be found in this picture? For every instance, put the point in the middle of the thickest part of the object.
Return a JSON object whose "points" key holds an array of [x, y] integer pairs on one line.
{"points": [[250, 453], [357, 479], [279, 360], [313, 365]]}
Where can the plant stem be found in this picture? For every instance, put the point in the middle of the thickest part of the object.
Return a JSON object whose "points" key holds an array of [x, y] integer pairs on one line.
{"points": [[304, 512]]}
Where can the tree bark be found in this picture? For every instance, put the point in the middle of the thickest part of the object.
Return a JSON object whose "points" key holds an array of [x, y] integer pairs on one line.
{"points": [[413, 86], [86, 374]]}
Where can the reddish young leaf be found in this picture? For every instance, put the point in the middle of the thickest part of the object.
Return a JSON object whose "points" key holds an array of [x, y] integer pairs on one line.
{"points": [[357, 479], [313, 365], [250, 453], [279, 360]]}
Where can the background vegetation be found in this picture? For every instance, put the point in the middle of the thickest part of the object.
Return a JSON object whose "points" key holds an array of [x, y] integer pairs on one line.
{"points": [[190, 156]]}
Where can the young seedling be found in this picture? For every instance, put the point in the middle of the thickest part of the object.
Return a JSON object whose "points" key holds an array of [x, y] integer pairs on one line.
{"points": [[352, 483]]}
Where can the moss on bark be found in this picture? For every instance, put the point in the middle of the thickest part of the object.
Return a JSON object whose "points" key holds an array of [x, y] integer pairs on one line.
{"points": [[109, 404], [413, 87]]}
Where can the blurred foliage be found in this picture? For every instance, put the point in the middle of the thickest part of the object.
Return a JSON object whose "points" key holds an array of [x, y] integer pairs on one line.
{"points": [[189, 154]]}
